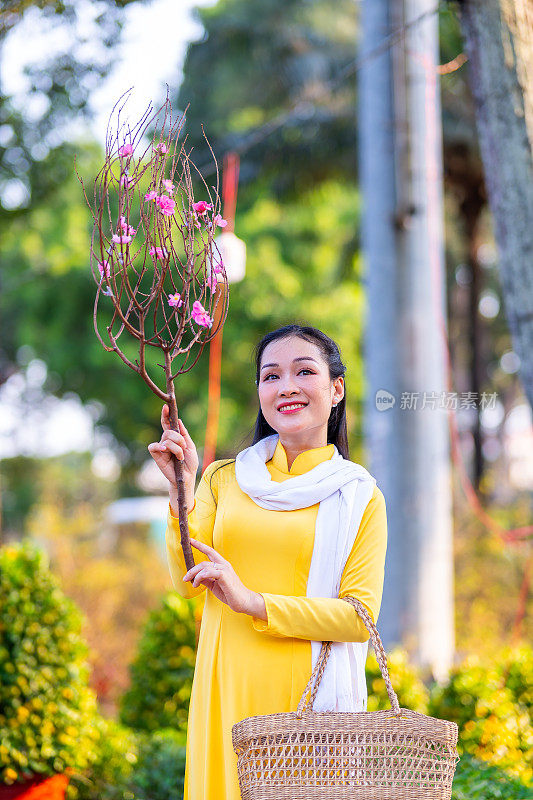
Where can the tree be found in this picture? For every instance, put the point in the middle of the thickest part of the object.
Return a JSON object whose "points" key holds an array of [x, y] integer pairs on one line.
{"points": [[36, 150], [257, 60], [499, 43]]}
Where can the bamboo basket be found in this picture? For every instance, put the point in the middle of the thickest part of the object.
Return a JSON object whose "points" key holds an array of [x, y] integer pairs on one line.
{"points": [[368, 755]]}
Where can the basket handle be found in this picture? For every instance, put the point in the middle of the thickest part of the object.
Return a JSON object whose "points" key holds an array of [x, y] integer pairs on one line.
{"points": [[379, 651]]}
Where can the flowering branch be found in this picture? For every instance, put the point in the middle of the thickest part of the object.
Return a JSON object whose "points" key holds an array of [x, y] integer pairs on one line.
{"points": [[157, 262]]}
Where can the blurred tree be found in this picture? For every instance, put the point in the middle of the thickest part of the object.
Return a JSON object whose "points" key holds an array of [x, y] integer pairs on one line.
{"points": [[258, 60], [296, 253], [37, 130], [97, 564], [276, 82], [299, 218], [499, 42]]}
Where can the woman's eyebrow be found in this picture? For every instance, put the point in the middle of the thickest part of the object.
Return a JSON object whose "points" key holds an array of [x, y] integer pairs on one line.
{"points": [[300, 358]]}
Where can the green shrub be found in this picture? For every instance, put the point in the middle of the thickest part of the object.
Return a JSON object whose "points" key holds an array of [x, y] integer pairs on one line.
{"points": [[516, 665], [405, 679], [110, 775], [494, 725], [47, 711], [160, 770], [134, 765], [476, 780], [162, 673]]}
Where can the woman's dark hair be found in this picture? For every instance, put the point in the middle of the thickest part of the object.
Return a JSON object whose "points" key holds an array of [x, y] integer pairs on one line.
{"points": [[337, 429], [337, 433]]}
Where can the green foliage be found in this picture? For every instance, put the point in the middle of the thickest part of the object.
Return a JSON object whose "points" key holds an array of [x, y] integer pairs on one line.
{"points": [[160, 771], [270, 57], [492, 711], [110, 775], [133, 765], [67, 480], [476, 780], [47, 711], [488, 574], [489, 701], [405, 679], [298, 254], [162, 672]]}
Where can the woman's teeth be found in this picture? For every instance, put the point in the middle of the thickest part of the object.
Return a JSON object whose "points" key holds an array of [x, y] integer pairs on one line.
{"points": [[292, 407]]}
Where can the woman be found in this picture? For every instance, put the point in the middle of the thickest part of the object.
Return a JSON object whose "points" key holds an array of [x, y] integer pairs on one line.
{"points": [[261, 626]]}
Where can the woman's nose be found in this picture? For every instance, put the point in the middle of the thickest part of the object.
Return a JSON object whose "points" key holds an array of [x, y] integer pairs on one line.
{"points": [[287, 386]]}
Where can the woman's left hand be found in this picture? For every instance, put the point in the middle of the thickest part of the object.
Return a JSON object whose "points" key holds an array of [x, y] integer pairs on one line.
{"points": [[220, 577]]}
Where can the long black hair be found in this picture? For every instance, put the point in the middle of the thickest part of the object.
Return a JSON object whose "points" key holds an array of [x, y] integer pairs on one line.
{"points": [[337, 433]]}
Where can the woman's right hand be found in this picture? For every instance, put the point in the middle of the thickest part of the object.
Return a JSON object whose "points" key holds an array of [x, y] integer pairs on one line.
{"points": [[181, 445]]}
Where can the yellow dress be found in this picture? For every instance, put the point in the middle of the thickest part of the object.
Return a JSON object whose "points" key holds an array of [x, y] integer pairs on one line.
{"points": [[244, 665]]}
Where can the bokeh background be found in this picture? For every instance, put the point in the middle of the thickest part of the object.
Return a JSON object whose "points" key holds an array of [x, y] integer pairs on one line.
{"points": [[83, 576]]}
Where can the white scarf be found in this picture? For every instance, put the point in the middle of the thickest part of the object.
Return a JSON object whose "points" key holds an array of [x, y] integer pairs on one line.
{"points": [[343, 489]]}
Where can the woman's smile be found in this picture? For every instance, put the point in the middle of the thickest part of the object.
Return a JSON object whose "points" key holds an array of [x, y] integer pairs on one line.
{"points": [[291, 408]]}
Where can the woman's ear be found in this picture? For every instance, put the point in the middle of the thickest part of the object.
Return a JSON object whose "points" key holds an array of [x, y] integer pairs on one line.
{"points": [[339, 389]]}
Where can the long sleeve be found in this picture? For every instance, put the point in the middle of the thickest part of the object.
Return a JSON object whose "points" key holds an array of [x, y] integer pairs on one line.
{"points": [[333, 619], [201, 519]]}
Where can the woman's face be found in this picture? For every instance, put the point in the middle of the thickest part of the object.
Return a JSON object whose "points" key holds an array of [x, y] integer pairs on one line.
{"points": [[293, 371]]}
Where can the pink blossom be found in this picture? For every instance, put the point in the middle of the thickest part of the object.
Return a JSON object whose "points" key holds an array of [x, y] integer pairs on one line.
{"points": [[212, 281], [150, 195], [162, 148], [104, 265], [166, 205], [175, 300], [217, 220], [218, 266], [125, 150], [158, 252], [123, 224], [121, 239], [126, 181], [200, 315], [131, 231], [169, 186], [202, 207]]}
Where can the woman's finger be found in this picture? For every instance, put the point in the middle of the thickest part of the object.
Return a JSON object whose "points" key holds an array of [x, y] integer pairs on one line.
{"points": [[165, 417], [210, 551], [184, 432], [172, 447], [157, 446], [211, 572], [175, 436], [193, 570]]}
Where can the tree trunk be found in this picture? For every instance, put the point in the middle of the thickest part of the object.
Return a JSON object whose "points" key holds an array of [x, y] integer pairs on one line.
{"points": [[499, 44]]}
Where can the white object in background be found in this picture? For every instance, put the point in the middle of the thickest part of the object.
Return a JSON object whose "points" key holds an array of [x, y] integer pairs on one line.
{"points": [[233, 252]]}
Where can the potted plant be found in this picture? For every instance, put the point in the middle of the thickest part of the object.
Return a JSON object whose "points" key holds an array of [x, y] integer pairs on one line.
{"points": [[48, 713]]}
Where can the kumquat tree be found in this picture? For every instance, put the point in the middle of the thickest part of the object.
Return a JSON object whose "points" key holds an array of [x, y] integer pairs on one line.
{"points": [[157, 262]]}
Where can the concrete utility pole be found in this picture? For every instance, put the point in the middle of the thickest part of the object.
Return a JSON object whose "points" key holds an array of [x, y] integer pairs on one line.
{"points": [[402, 233]]}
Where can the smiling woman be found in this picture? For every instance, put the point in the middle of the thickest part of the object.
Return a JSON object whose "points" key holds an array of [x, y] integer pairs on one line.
{"points": [[284, 531]]}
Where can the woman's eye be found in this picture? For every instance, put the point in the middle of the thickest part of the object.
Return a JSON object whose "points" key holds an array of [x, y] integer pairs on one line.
{"points": [[273, 374]]}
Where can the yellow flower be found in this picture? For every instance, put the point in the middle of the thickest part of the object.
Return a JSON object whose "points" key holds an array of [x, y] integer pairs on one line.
{"points": [[10, 776], [23, 713]]}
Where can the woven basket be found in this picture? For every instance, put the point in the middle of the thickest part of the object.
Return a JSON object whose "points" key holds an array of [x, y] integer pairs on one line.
{"points": [[369, 755]]}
